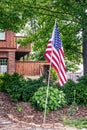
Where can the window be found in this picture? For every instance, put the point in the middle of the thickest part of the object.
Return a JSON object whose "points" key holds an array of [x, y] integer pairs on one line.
{"points": [[3, 66], [2, 35]]}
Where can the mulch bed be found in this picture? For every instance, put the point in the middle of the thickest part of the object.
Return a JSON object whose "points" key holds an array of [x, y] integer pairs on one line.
{"points": [[31, 115]]}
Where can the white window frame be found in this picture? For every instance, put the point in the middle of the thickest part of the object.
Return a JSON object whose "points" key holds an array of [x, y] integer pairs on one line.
{"points": [[2, 35]]}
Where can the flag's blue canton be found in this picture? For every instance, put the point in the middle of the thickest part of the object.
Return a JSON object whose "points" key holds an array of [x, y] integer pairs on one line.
{"points": [[57, 41]]}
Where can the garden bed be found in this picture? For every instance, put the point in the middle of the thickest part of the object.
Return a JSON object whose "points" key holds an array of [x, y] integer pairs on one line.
{"points": [[23, 111]]}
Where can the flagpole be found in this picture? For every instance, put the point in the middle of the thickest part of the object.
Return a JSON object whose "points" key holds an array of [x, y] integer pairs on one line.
{"points": [[47, 88], [45, 111], [47, 93], [55, 44]]}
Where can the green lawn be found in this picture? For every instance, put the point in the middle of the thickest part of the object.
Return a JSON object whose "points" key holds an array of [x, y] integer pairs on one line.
{"points": [[78, 123]]}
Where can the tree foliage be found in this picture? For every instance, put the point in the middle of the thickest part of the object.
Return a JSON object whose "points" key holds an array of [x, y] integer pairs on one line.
{"points": [[14, 14], [39, 17]]}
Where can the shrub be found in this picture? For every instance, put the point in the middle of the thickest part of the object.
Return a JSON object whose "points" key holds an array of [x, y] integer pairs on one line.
{"points": [[14, 87], [68, 89], [23, 89], [1, 82], [76, 92], [83, 80], [81, 94], [31, 87], [19, 88], [56, 99], [5, 81]]}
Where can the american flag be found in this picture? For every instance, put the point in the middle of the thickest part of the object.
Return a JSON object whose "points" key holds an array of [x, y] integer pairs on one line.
{"points": [[55, 55]]}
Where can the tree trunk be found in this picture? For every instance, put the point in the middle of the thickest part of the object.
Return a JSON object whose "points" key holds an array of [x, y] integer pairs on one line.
{"points": [[85, 48], [84, 58]]}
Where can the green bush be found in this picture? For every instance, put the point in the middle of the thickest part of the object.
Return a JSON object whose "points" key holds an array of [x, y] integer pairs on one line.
{"points": [[76, 92], [1, 82], [20, 89], [68, 89], [81, 94], [31, 87], [5, 81], [56, 99], [14, 86], [83, 80]]}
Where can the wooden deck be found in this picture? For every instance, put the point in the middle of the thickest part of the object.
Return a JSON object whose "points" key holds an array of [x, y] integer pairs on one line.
{"points": [[23, 48]]}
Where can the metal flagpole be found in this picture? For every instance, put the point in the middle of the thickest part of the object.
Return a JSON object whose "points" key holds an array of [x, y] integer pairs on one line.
{"points": [[47, 90], [48, 83]]}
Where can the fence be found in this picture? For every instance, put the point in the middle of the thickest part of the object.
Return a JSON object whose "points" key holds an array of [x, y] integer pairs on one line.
{"points": [[30, 68], [74, 76], [36, 68]]}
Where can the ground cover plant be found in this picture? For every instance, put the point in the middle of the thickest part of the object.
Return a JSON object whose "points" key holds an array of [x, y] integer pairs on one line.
{"points": [[78, 123]]}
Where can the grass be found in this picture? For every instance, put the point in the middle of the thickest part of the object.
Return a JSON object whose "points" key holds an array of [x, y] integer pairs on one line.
{"points": [[78, 123]]}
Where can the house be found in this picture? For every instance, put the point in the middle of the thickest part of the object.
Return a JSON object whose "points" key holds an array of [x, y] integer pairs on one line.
{"points": [[12, 57]]}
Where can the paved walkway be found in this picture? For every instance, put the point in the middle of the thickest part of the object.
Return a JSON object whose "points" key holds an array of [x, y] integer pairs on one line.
{"points": [[6, 124]]}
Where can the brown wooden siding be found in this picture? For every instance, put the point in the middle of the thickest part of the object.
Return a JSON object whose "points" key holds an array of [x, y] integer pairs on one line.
{"points": [[30, 68]]}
